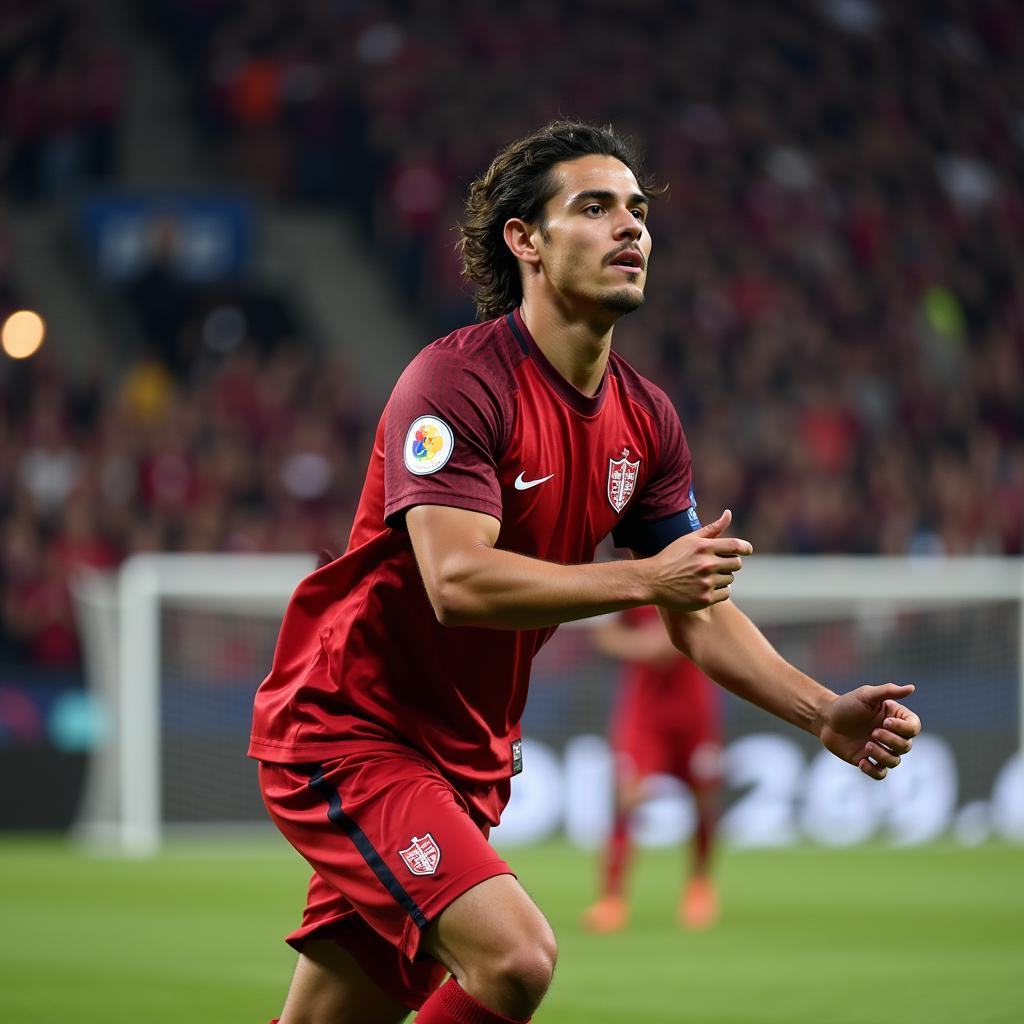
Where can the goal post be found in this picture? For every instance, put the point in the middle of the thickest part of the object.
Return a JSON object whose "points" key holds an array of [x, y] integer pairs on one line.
{"points": [[120, 620], [176, 644]]}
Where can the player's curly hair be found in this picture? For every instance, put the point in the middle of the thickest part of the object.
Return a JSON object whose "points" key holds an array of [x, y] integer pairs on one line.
{"points": [[519, 183]]}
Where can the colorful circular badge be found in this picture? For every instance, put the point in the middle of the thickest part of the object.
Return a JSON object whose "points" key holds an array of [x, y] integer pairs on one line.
{"points": [[428, 445]]}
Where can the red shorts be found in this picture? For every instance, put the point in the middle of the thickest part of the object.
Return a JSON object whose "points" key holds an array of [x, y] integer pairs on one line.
{"points": [[688, 746], [391, 843]]}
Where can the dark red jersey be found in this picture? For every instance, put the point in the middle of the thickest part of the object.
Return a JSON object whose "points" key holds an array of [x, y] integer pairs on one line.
{"points": [[479, 420]]}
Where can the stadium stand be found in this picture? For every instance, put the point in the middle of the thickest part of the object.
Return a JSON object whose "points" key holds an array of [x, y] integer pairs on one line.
{"points": [[62, 87], [836, 306], [837, 298]]}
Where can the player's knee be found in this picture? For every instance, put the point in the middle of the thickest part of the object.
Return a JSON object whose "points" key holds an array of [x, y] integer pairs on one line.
{"points": [[524, 970]]}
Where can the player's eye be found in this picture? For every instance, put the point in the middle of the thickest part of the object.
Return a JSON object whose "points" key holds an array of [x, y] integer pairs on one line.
{"points": [[640, 213], [593, 209]]}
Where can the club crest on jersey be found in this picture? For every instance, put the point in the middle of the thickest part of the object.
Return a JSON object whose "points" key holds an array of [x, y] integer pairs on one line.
{"points": [[422, 855], [428, 445], [621, 480]]}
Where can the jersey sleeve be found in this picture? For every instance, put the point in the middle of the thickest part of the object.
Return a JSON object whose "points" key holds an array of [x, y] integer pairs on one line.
{"points": [[666, 509], [443, 431]]}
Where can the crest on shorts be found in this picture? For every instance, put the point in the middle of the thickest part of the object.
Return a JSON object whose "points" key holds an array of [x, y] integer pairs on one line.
{"points": [[422, 855], [621, 480]]}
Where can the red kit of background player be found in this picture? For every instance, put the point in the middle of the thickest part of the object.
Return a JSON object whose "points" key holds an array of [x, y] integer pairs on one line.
{"points": [[667, 721], [667, 718]]}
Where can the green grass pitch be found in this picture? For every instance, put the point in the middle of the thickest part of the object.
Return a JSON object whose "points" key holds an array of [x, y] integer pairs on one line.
{"points": [[929, 935]]}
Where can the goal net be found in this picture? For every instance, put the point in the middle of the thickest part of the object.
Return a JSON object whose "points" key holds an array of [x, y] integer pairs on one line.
{"points": [[176, 645], [174, 648]]}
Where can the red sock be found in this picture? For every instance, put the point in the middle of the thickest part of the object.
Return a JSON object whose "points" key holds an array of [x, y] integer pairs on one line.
{"points": [[452, 1004], [619, 849], [706, 825]]}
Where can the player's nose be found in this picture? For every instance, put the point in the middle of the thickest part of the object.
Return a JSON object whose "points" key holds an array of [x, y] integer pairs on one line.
{"points": [[627, 226]]}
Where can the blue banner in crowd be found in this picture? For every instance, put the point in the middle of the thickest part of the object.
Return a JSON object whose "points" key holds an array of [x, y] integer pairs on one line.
{"points": [[197, 237]]}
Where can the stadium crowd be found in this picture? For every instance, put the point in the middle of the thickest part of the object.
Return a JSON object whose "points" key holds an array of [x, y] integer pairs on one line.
{"points": [[836, 306], [837, 301], [255, 453], [62, 86]]}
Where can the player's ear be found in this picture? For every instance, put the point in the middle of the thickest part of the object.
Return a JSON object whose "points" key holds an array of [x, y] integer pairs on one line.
{"points": [[519, 238]]}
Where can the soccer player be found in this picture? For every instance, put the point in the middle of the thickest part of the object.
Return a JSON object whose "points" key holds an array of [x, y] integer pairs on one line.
{"points": [[387, 730], [666, 722]]}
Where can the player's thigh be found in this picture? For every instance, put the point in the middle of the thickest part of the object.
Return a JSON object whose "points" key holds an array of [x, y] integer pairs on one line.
{"points": [[392, 844], [631, 788], [492, 923], [700, 763], [387, 835], [329, 987], [640, 753]]}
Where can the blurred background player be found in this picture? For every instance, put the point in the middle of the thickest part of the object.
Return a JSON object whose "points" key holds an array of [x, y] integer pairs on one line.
{"points": [[667, 721]]}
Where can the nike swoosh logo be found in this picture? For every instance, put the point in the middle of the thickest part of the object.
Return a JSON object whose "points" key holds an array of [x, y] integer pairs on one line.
{"points": [[525, 485]]}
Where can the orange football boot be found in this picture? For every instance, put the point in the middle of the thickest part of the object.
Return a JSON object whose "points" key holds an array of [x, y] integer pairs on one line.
{"points": [[698, 907], [608, 914]]}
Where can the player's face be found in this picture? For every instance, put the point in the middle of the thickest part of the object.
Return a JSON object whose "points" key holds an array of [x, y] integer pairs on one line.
{"points": [[594, 242]]}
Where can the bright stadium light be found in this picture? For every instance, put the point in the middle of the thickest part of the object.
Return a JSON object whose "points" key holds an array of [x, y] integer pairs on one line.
{"points": [[22, 334]]}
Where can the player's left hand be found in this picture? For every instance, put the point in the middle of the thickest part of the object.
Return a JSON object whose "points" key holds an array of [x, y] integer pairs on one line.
{"points": [[869, 728]]}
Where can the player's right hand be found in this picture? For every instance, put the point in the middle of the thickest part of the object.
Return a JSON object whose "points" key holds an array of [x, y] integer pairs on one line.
{"points": [[697, 571]]}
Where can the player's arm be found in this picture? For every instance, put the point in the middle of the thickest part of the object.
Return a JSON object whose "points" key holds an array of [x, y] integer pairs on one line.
{"points": [[470, 582], [866, 727]]}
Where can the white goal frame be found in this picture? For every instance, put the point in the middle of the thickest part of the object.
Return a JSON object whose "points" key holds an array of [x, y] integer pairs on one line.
{"points": [[122, 653], [125, 662]]}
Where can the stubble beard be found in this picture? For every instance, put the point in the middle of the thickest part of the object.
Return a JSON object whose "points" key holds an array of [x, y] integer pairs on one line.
{"points": [[623, 300], [618, 301]]}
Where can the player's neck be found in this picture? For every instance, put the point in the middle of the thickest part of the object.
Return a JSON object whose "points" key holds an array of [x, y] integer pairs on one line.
{"points": [[576, 348]]}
